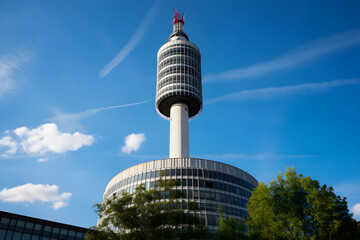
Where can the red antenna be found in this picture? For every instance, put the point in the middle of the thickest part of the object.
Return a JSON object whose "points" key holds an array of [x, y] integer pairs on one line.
{"points": [[176, 17]]}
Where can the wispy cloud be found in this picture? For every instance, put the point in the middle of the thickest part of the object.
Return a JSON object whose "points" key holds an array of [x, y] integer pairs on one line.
{"points": [[73, 119], [272, 92], [10, 65], [133, 142], [36, 193], [297, 56], [258, 156], [132, 43]]}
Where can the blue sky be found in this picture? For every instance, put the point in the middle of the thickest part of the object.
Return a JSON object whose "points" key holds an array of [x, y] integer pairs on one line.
{"points": [[281, 83]]}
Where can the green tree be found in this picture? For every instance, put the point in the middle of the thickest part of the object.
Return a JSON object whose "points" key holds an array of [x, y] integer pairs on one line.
{"points": [[147, 214], [229, 228], [297, 207]]}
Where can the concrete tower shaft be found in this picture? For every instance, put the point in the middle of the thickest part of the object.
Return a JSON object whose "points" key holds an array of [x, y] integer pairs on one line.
{"points": [[178, 88]]}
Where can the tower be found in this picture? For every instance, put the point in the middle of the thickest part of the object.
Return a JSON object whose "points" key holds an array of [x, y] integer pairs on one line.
{"points": [[178, 88], [208, 183]]}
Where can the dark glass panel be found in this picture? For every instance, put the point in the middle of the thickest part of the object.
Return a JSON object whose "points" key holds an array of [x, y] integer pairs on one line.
{"points": [[148, 175], [220, 176], [195, 182], [183, 172], [201, 183], [9, 235], [79, 236], [63, 233], [189, 172], [190, 193], [152, 174], [173, 172], [189, 182], [206, 173], [209, 184], [4, 223], [29, 227], [2, 234], [157, 173], [37, 229], [47, 231], [211, 174], [183, 182], [20, 225], [144, 175], [35, 237], [17, 236], [26, 236], [195, 172], [215, 175], [71, 235], [55, 232]]}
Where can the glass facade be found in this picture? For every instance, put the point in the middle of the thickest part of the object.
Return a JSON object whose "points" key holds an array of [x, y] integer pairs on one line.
{"points": [[216, 185], [18, 227]]}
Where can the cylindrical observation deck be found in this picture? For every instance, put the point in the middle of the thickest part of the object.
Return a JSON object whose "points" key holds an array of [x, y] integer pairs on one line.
{"points": [[178, 73]]}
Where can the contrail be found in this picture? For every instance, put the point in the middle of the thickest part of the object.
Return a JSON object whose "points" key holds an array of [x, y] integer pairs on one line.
{"points": [[75, 117], [271, 92], [299, 55], [132, 43]]}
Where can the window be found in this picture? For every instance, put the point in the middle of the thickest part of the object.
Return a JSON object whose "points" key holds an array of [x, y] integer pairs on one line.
{"points": [[183, 183], [152, 174], [190, 182], [63, 233], [47, 231], [37, 229], [173, 172], [29, 227], [20, 225], [2, 234], [209, 184], [4, 222], [9, 235], [26, 236]]}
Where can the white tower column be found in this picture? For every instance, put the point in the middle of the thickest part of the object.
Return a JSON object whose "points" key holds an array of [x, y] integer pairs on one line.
{"points": [[179, 131]]}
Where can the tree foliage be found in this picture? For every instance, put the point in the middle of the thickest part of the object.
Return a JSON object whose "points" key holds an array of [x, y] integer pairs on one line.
{"points": [[147, 214], [229, 228], [297, 207]]}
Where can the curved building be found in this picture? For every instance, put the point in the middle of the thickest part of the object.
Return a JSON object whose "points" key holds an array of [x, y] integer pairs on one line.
{"points": [[209, 183]]}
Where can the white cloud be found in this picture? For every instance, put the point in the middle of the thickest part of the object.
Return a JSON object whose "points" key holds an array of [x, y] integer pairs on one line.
{"points": [[356, 210], [10, 65], [45, 139], [297, 56], [133, 142], [132, 43], [271, 92], [10, 143], [31, 193], [72, 120]]}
